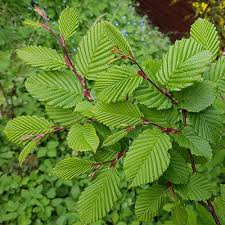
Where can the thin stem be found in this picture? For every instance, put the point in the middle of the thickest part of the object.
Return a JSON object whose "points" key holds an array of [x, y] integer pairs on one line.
{"points": [[68, 61], [144, 75], [192, 160]]}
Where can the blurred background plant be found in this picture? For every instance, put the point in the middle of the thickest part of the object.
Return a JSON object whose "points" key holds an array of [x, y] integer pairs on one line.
{"points": [[31, 194]]}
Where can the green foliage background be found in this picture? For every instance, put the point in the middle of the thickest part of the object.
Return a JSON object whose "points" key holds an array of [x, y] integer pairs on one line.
{"points": [[31, 194]]}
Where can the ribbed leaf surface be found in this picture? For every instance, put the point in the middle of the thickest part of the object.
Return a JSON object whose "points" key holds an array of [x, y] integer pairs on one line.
{"points": [[196, 97], [164, 118], [117, 39], [198, 188], [85, 108], [68, 22], [24, 128], [205, 33], [45, 58], [83, 138], [98, 199], [147, 157], [151, 67], [55, 88], [184, 63], [216, 74], [116, 83], [114, 138], [198, 145], [179, 214], [64, 117], [148, 95], [72, 167], [149, 203], [119, 114], [178, 171], [94, 53], [26, 151], [207, 124]]}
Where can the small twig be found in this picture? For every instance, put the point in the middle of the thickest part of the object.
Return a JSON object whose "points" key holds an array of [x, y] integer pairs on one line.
{"points": [[68, 61], [193, 166], [145, 76]]}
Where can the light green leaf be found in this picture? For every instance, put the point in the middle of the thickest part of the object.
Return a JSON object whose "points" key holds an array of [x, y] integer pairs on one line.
{"points": [[114, 138], [216, 74], [94, 53], [198, 145], [205, 33], [85, 108], [55, 88], [196, 97], [207, 124], [116, 83], [148, 95], [26, 150], [117, 39], [38, 56], [198, 188], [179, 214], [147, 157], [25, 128], [64, 117], [184, 64], [98, 199], [178, 171], [83, 138], [30, 23], [149, 203], [119, 114], [164, 118], [68, 22], [72, 167], [151, 67]]}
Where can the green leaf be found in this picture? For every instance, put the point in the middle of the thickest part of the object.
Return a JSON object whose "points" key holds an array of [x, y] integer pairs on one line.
{"points": [[196, 97], [64, 117], [85, 108], [117, 39], [30, 23], [72, 167], [148, 95], [116, 83], [83, 138], [147, 157], [26, 151], [198, 188], [119, 114], [98, 199], [25, 128], [216, 74], [149, 202], [114, 138], [178, 171], [38, 56], [205, 33], [151, 67], [164, 118], [198, 145], [184, 64], [94, 53], [207, 124], [55, 88], [68, 22], [179, 214]]}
